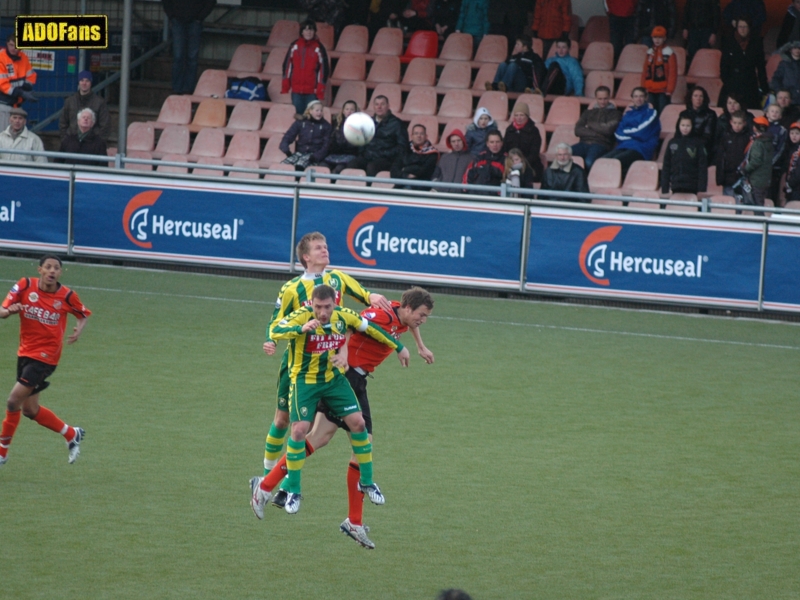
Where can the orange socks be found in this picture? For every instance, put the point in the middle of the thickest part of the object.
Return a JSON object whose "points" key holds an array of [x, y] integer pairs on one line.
{"points": [[9, 427], [355, 499], [47, 418]]}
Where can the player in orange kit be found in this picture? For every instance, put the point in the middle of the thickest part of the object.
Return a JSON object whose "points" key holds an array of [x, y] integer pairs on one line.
{"points": [[43, 305]]}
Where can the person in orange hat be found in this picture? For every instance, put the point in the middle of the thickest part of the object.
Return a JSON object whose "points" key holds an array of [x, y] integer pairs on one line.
{"points": [[654, 13], [756, 168], [660, 71]]}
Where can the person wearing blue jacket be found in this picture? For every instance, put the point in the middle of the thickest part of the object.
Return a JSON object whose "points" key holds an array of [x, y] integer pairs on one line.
{"points": [[564, 73], [474, 19], [637, 132]]}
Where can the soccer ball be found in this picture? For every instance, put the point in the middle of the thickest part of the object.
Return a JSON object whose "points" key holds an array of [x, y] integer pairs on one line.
{"points": [[359, 129]]}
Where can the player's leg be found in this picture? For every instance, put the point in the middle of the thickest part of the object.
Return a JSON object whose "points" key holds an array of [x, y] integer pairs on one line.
{"points": [[273, 446], [13, 415]]}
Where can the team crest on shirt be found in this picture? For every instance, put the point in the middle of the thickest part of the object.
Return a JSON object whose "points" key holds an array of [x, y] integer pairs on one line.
{"points": [[339, 326], [57, 304], [304, 411], [334, 283], [33, 297]]}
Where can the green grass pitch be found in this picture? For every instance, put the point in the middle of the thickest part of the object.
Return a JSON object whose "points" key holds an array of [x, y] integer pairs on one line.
{"points": [[551, 452]]}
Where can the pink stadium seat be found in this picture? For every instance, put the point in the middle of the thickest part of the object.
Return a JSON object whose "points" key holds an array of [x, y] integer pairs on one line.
{"points": [[629, 81], [642, 195], [431, 126], [594, 79], [604, 201], [210, 113], [420, 71], [246, 164], [599, 56], [208, 143], [684, 207], [388, 41], [663, 150], [282, 34], [351, 90], [274, 92], [244, 145], [171, 169], [383, 175], [385, 69], [543, 135], [562, 134], [721, 199], [712, 189], [486, 72], [318, 171], [423, 44], [246, 116], [281, 167], [680, 57], [492, 49], [246, 59], [772, 65], [605, 173], [642, 177], [496, 103], [354, 38], [596, 30], [456, 74], [272, 152], [669, 118], [705, 65], [352, 173], [575, 30], [679, 94], [174, 140], [349, 67], [535, 103], [176, 110], [325, 34], [273, 66], [205, 172], [631, 60], [392, 93], [421, 101], [141, 136], [565, 110], [457, 46], [212, 84], [139, 166], [279, 119]]}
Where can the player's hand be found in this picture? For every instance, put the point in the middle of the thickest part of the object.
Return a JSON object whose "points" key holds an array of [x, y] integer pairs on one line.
{"points": [[426, 354], [310, 326], [15, 308], [339, 360], [403, 357], [74, 337], [380, 301], [269, 348]]}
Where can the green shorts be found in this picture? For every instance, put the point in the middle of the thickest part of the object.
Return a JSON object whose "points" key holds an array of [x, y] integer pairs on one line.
{"points": [[336, 393], [284, 383]]}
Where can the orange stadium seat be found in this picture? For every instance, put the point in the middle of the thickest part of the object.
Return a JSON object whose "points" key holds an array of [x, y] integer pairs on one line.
{"points": [[383, 175], [212, 84], [713, 87], [423, 44], [281, 167], [318, 171], [625, 89], [486, 72], [139, 166], [684, 207], [772, 65], [210, 113], [680, 58], [669, 118], [646, 205], [721, 199], [272, 152], [274, 92], [282, 34]]}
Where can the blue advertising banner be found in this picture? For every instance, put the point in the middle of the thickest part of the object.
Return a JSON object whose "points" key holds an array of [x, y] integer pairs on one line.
{"points": [[649, 258], [782, 269], [178, 220], [34, 209], [408, 237]]}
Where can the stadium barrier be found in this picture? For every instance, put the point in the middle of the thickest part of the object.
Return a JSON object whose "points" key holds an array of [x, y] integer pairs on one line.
{"points": [[506, 243]]}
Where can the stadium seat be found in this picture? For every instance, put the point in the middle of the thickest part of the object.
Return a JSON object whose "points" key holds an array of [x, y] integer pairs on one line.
{"points": [[388, 42], [596, 30], [543, 135], [282, 34], [679, 93], [573, 50], [535, 103], [354, 38], [502, 126], [455, 123], [141, 154], [176, 110], [562, 134], [663, 150], [486, 72], [206, 172], [349, 67], [174, 140], [246, 164], [351, 90], [793, 205], [772, 65], [275, 95], [606, 202], [680, 57], [712, 189], [684, 207], [605, 173], [669, 118], [722, 199], [575, 30], [318, 172], [281, 167], [245, 116], [431, 124], [392, 93], [421, 101], [272, 152], [705, 65], [141, 136], [423, 44], [420, 71], [631, 60], [599, 56], [455, 104], [456, 74], [385, 69], [594, 79], [492, 49], [244, 145], [273, 66], [383, 175], [325, 34], [209, 143], [211, 112], [496, 103], [625, 89], [278, 120], [353, 173], [170, 169], [246, 59], [457, 46], [212, 84], [645, 205], [565, 110], [642, 177]]}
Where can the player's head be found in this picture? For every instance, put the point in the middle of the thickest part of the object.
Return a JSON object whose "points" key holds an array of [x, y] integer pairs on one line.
{"points": [[312, 249], [416, 305], [323, 301], [47, 257], [49, 269]]}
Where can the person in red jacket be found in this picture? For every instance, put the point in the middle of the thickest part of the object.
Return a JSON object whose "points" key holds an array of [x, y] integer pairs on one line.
{"points": [[305, 68], [621, 23], [552, 20], [16, 80], [660, 71]]}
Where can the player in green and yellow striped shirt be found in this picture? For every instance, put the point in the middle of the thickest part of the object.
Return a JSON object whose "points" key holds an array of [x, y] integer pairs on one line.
{"points": [[316, 372]]}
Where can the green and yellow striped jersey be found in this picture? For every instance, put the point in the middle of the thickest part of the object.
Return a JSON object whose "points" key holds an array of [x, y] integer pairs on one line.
{"points": [[296, 293], [310, 352]]}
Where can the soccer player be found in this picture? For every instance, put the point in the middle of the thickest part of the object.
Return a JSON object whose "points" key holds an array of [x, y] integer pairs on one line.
{"points": [[43, 305], [364, 354], [316, 372]]}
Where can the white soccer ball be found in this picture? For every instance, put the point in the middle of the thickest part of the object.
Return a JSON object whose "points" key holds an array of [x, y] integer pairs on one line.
{"points": [[359, 129]]}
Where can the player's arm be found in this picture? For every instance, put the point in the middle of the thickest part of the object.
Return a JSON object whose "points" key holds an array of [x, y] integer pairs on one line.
{"points": [[426, 354], [76, 332], [340, 358], [11, 304], [294, 325], [283, 307], [11, 309], [358, 292], [359, 323]]}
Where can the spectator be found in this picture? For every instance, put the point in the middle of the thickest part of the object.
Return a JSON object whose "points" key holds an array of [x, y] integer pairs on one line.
{"points": [[552, 20], [420, 160], [732, 105], [389, 144], [411, 16], [474, 19], [564, 73], [444, 16], [482, 124], [752, 11], [186, 24], [790, 29], [564, 175], [84, 98], [517, 173], [522, 133], [757, 166], [780, 136], [685, 167], [18, 137], [489, 166], [742, 67], [452, 165], [703, 118], [791, 112], [17, 79], [730, 151], [84, 141], [311, 137], [660, 71], [595, 128], [340, 151], [305, 68], [655, 13], [787, 75], [637, 132], [509, 18], [621, 23], [700, 25], [524, 71], [792, 187]]}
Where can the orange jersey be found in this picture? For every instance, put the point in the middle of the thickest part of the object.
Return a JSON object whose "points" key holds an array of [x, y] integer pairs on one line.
{"points": [[43, 319], [14, 72], [367, 353]]}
